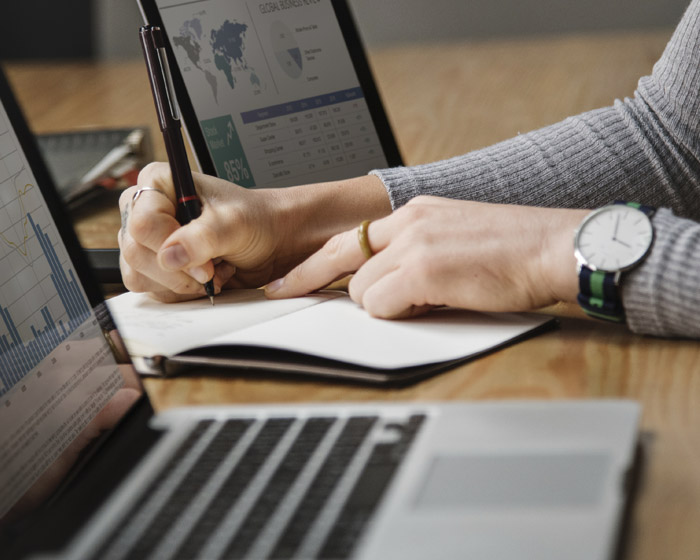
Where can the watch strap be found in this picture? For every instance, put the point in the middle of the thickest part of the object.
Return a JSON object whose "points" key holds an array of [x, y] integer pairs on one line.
{"points": [[598, 295], [648, 210]]}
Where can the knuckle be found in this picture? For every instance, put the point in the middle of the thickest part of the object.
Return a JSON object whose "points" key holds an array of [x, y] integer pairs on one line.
{"points": [[142, 227], [419, 200], [184, 285], [296, 275], [130, 250], [126, 197], [133, 281], [333, 249], [419, 212], [151, 170]]}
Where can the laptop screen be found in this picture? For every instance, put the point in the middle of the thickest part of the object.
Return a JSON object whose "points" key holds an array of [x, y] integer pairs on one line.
{"points": [[60, 384], [276, 95]]}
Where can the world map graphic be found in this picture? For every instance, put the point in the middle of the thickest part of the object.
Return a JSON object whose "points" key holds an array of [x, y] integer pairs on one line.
{"points": [[218, 51]]}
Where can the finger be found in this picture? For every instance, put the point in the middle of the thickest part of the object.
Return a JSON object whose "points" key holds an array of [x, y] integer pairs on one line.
{"points": [[223, 273], [158, 175], [141, 273], [152, 218], [382, 269], [392, 297], [341, 255], [373, 270], [193, 245]]}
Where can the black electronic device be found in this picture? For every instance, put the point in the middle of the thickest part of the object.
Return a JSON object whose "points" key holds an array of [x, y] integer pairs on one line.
{"points": [[274, 95]]}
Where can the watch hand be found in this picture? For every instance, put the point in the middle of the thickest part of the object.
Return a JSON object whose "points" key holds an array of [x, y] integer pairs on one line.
{"points": [[622, 243], [617, 225]]}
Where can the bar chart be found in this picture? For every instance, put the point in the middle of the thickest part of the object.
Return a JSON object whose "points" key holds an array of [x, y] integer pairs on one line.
{"points": [[20, 354]]}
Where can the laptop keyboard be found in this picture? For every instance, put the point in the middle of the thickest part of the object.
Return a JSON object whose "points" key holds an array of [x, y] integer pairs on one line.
{"points": [[276, 488]]}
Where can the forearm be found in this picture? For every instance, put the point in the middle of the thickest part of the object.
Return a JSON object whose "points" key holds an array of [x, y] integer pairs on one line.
{"points": [[311, 214], [661, 297], [586, 161], [646, 149]]}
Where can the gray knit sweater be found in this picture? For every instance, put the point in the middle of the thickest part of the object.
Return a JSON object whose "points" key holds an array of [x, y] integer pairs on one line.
{"points": [[645, 149]]}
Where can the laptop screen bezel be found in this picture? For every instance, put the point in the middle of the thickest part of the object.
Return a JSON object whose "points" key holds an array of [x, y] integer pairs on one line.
{"points": [[152, 16]]}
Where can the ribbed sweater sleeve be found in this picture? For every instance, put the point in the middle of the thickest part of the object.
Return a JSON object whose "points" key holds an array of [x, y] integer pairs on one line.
{"points": [[644, 149]]}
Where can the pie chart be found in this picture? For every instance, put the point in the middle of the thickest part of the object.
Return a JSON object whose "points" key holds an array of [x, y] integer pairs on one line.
{"points": [[286, 50]]}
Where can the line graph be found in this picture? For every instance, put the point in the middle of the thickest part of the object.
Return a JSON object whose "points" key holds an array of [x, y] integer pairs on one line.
{"points": [[21, 246]]}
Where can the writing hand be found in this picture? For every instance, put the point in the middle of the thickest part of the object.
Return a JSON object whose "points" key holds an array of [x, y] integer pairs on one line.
{"points": [[170, 262]]}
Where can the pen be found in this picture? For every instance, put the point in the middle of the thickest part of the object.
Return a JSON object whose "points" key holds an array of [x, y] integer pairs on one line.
{"points": [[189, 206]]}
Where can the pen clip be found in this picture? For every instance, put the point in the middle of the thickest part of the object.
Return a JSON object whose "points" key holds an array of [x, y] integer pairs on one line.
{"points": [[159, 75], [168, 79]]}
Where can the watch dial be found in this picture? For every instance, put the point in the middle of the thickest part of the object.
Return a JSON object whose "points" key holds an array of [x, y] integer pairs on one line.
{"points": [[614, 238]]}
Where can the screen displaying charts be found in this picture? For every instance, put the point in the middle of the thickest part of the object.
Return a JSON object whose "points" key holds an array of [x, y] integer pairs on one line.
{"points": [[41, 303], [274, 89], [57, 371]]}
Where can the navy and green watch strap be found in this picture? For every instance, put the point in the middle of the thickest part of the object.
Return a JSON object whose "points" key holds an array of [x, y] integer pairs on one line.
{"points": [[648, 210], [598, 294]]}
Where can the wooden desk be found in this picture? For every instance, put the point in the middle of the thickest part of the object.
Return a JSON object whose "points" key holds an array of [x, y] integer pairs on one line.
{"points": [[444, 100]]}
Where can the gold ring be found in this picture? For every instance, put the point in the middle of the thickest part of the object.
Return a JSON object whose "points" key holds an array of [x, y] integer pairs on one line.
{"points": [[144, 189], [364, 239]]}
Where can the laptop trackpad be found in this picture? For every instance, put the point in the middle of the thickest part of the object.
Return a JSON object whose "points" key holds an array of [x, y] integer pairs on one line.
{"points": [[515, 480]]}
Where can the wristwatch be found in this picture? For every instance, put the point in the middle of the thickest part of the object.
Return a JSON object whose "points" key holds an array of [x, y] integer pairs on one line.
{"points": [[610, 241]]}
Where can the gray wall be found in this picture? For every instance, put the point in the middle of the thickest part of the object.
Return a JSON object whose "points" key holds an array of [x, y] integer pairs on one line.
{"points": [[384, 22]]}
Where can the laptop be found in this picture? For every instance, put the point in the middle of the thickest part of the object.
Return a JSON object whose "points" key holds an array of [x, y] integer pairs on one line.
{"points": [[87, 470]]}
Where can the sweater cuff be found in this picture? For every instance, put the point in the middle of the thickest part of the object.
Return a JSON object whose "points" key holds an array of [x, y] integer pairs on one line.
{"points": [[661, 296], [399, 183]]}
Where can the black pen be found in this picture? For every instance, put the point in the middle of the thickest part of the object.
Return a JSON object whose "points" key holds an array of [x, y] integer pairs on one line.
{"points": [[189, 206]]}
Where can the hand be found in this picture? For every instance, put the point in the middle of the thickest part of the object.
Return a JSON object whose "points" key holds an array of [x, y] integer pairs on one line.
{"points": [[436, 251], [244, 238]]}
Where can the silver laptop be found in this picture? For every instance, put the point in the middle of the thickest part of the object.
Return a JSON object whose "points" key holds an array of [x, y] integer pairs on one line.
{"points": [[88, 471]]}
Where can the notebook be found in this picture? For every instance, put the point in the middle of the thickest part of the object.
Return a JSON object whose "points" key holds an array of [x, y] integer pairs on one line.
{"points": [[87, 470], [274, 94], [323, 334]]}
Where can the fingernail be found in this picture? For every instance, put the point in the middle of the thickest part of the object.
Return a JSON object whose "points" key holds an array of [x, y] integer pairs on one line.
{"points": [[175, 257], [199, 274], [274, 286]]}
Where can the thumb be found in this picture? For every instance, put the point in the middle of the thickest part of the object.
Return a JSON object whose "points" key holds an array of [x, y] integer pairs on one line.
{"points": [[192, 246]]}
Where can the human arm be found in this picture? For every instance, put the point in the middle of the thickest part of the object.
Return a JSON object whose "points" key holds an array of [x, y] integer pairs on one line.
{"points": [[644, 149]]}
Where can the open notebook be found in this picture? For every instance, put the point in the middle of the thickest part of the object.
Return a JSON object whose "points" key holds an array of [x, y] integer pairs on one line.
{"points": [[322, 334]]}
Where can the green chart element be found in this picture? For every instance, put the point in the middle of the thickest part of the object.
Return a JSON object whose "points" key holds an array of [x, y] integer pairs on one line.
{"points": [[226, 151]]}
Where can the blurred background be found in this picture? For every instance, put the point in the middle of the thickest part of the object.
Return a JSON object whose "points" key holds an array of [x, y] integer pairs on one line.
{"points": [[107, 29]]}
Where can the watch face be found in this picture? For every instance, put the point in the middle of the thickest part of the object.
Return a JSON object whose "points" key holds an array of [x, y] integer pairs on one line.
{"points": [[613, 238]]}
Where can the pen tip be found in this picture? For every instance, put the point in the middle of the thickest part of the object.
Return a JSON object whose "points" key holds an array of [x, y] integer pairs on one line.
{"points": [[211, 299]]}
